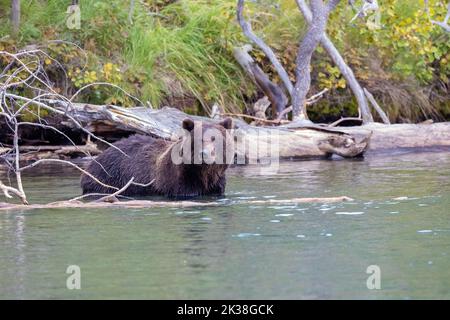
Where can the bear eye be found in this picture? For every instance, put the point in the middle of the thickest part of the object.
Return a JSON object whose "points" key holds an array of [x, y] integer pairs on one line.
{"points": [[213, 139]]}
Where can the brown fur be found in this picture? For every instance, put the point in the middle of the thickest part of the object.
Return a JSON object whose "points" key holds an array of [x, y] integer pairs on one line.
{"points": [[149, 160]]}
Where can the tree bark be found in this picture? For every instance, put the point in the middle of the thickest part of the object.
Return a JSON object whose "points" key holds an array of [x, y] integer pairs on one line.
{"points": [[275, 94], [304, 143], [15, 17], [348, 74], [247, 29], [339, 61], [140, 204], [377, 107], [404, 136], [308, 45]]}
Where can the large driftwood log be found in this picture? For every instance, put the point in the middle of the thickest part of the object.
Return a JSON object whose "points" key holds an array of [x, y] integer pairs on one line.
{"points": [[307, 142], [298, 142], [30, 153], [404, 135]]}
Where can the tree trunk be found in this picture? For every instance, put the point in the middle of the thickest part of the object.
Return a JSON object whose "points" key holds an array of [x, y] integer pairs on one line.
{"points": [[303, 62], [275, 94], [348, 74], [15, 17], [247, 30]]}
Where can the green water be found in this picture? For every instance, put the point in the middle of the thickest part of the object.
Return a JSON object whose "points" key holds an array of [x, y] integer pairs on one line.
{"points": [[244, 251]]}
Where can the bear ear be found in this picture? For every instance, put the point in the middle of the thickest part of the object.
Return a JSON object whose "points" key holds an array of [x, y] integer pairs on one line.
{"points": [[188, 124], [227, 123]]}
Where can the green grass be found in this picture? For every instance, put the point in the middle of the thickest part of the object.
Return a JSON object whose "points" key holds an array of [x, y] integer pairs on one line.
{"points": [[182, 51], [188, 44]]}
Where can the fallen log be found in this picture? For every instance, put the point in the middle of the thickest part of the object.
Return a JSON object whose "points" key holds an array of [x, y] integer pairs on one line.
{"points": [[296, 141], [143, 204], [33, 153], [420, 136], [309, 142]]}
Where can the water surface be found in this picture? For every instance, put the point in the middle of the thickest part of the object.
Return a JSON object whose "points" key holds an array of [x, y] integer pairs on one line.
{"points": [[244, 251]]}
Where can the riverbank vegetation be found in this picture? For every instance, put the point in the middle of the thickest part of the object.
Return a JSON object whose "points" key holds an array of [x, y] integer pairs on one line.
{"points": [[180, 53], [68, 73]]}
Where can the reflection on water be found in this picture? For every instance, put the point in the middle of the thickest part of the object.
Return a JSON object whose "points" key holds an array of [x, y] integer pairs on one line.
{"points": [[400, 221]]}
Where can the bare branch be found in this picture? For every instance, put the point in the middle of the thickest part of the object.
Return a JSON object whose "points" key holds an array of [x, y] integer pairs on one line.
{"points": [[69, 163], [118, 192], [105, 84], [368, 5], [311, 100], [143, 184], [15, 16], [275, 94], [89, 195], [9, 100], [377, 107], [8, 190], [247, 29], [163, 204], [64, 113]]}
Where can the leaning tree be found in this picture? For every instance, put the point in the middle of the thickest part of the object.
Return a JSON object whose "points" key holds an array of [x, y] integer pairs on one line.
{"points": [[15, 16], [316, 14]]}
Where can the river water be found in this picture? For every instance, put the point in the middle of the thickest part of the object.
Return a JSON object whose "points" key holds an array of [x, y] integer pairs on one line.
{"points": [[399, 223]]}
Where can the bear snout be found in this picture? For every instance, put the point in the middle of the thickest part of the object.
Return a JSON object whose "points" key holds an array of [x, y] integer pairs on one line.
{"points": [[208, 156]]}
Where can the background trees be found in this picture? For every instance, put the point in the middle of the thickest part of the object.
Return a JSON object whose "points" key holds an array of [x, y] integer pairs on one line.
{"points": [[181, 53]]}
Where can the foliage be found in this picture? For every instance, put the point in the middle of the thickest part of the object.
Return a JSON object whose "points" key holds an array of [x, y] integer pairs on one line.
{"points": [[404, 54], [179, 52]]}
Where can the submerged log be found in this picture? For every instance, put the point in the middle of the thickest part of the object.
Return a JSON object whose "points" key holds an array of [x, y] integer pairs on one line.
{"points": [[142, 204], [307, 142]]}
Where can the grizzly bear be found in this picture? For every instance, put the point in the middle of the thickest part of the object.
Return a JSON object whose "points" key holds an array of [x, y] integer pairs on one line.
{"points": [[194, 165]]}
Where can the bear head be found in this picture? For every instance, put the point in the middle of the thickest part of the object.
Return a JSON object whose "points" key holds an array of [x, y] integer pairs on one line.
{"points": [[209, 143]]}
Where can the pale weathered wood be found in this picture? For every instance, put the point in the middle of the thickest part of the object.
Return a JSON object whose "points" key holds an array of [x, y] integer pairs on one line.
{"points": [[32, 153], [337, 58], [15, 17], [377, 107], [275, 93], [306, 142], [295, 141], [404, 135], [141, 204]]}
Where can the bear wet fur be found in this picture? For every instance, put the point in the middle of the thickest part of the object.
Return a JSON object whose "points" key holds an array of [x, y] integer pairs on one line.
{"points": [[149, 161]]}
